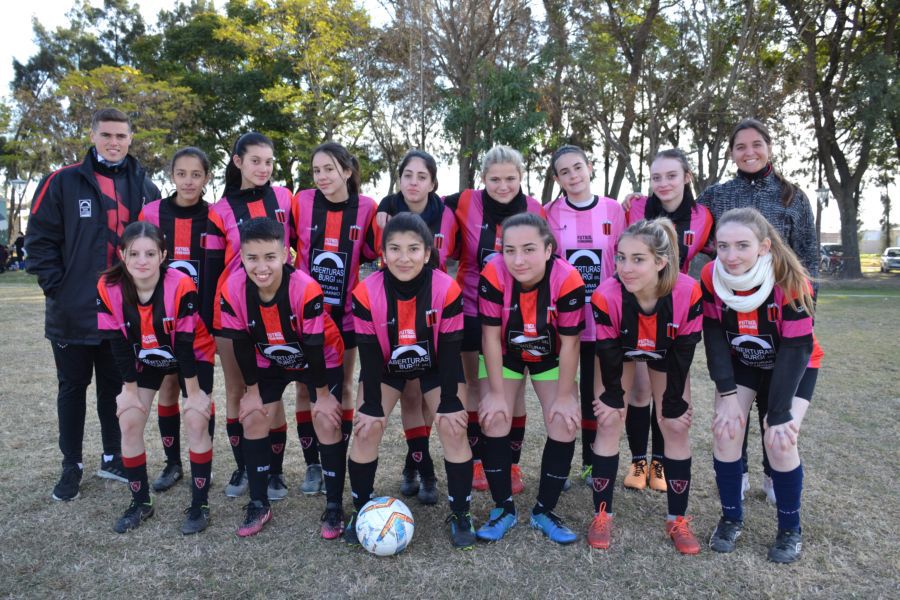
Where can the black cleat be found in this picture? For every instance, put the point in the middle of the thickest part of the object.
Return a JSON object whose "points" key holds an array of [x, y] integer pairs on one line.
{"points": [[724, 537], [409, 484], [462, 530], [197, 519], [787, 546], [134, 516], [169, 476], [67, 487], [350, 537], [428, 493], [113, 469]]}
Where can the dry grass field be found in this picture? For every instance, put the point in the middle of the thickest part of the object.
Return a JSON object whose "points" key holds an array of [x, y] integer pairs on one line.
{"points": [[851, 513]]}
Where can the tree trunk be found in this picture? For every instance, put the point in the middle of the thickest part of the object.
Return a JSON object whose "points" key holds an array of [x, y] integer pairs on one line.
{"points": [[849, 228]]}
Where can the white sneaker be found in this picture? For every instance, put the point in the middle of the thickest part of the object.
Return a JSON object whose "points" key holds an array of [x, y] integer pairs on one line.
{"points": [[769, 489], [745, 485]]}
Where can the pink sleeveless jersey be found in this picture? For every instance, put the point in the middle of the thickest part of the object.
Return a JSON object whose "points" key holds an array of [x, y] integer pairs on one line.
{"points": [[587, 238]]}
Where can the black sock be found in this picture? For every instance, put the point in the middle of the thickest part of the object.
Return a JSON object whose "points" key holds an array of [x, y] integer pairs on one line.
{"points": [[678, 474], [497, 460], [476, 437], [362, 481], [658, 447], [334, 465], [459, 485], [516, 437], [308, 441], [257, 454], [212, 423], [604, 480], [745, 463], [637, 428], [347, 426], [277, 439], [136, 472], [235, 432], [201, 467], [420, 457], [586, 395], [169, 418], [555, 465]]}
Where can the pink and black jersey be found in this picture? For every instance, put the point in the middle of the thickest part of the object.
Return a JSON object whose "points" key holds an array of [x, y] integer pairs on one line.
{"points": [[408, 331], [664, 338], [776, 333], [184, 231], [587, 238], [332, 240], [283, 329], [223, 239], [439, 218], [531, 321], [157, 329], [479, 218], [693, 223]]}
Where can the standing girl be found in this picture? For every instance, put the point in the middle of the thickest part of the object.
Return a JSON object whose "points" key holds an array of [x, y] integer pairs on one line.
{"points": [[758, 332], [334, 234], [532, 313], [480, 214], [648, 313], [182, 220], [418, 184], [408, 319], [248, 194], [149, 312], [586, 227]]}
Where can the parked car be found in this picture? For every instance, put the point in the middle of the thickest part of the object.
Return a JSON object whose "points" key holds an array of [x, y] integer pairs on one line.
{"points": [[831, 259], [890, 259]]}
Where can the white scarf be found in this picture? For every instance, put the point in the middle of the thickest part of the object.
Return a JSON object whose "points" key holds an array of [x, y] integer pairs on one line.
{"points": [[760, 275]]}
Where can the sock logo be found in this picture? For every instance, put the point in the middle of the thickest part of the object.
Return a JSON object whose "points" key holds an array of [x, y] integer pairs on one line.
{"points": [[135, 486], [306, 442], [168, 440], [516, 446], [599, 484], [473, 440], [277, 448], [199, 482], [346, 437], [417, 456], [234, 440], [679, 485]]}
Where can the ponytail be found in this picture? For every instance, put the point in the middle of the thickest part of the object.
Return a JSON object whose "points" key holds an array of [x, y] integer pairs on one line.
{"points": [[660, 237]]}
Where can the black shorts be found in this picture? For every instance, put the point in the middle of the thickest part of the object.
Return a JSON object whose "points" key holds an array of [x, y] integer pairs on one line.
{"points": [[151, 378], [471, 334], [758, 380], [273, 381], [349, 338], [428, 380]]}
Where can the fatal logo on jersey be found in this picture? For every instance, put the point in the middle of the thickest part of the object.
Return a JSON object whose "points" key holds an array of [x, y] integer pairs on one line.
{"points": [[410, 358], [286, 355], [160, 357], [531, 347], [329, 269], [753, 350]]}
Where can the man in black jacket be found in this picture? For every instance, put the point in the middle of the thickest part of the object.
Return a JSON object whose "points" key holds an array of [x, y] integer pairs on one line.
{"points": [[77, 216]]}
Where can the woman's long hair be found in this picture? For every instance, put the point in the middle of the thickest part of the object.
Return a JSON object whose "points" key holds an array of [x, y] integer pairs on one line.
{"points": [[118, 273]]}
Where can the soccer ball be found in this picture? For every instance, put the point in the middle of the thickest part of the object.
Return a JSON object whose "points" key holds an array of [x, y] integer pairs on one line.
{"points": [[384, 526]]}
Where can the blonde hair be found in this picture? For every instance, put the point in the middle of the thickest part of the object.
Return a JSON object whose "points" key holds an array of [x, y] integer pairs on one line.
{"points": [[790, 275], [501, 155], [660, 237]]}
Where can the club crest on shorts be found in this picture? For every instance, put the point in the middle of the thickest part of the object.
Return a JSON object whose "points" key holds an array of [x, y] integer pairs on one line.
{"points": [[417, 456], [200, 482], [599, 484], [234, 440], [135, 486], [280, 215], [678, 485], [168, 440], [306, 442]]}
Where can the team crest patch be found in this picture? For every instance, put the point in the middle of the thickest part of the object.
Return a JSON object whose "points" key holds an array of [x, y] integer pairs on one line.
{"points": [[168, 440], [306, 442], [135, 486], [473, 440], [678, 485], [84, 208], [277, 448], [516, 446], [417, 456], [599, 484], [199, 482], [234, 440]]}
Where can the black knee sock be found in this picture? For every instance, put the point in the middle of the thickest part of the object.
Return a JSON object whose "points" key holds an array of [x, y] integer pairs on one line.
{"points": [[516, 437], [678, 474], [555, 465], [459, 485], [308, 441], [362, 481], [257, 454], [136, 472], [347, 426], [637, 428], [476, 437], [212, 421], [604, 480], [497, 460], [659, 442], [334, 465], [277, 439], [201, 467], [169, 418], [235, 432], [418, 458]]}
